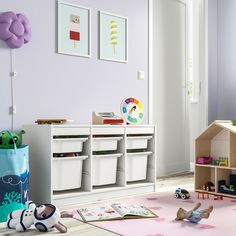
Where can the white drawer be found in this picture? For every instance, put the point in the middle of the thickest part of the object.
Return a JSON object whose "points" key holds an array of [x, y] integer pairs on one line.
{"points": [[65, 145], [67, 173], [137, 142], [105, 169], [137, 166], [105, 143]]}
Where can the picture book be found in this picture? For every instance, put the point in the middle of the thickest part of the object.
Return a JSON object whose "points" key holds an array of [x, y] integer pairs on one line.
{"points": [[115, 212]]}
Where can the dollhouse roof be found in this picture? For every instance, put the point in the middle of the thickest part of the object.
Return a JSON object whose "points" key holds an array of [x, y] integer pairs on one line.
{"points": [[217, 126]]}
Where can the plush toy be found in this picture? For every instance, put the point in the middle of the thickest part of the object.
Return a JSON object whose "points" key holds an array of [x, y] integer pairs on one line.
{"points": [[194, 215], [43, 217], [8, 139]]}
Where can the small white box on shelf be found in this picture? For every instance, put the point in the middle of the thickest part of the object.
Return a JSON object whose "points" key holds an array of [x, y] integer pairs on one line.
{"points": [[67, 173], [137, 166], [105, 169], [105, 143], [137, 142], [64, 145]]}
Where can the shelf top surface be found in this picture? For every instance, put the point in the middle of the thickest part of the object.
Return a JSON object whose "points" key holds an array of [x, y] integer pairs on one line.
{"points": [[92, 126], [216, 166]]}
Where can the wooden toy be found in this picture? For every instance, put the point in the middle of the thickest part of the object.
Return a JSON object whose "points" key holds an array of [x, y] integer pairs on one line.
{"points": [[132, 110], [106, 118]]}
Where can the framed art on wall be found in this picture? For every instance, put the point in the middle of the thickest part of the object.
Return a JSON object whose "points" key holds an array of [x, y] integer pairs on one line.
{"points": [[113, 37], [74, 29]]}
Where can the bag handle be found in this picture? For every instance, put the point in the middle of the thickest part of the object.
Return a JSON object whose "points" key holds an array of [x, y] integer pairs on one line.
{"points": [[10, 133]]}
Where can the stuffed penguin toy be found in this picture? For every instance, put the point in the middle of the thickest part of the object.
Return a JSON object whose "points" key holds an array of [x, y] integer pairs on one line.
{"points": [[44, 217]]}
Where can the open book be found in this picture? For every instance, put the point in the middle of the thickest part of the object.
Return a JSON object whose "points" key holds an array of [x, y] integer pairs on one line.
{"points": [[115, 212]]}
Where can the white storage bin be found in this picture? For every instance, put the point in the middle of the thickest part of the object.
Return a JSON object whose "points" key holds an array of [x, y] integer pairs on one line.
{"points": [[64, 145], [67, 172], [137, 166], [137, 142], [105, 143], [104, 169]]}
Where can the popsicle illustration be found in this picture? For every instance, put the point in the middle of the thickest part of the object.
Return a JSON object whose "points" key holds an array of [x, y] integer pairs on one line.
{"points": [[74, 28], [114, 34]]}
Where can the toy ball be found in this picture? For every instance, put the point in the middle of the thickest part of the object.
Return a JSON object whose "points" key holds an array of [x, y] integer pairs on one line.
{"points": [[9, 140], [132, 110]]}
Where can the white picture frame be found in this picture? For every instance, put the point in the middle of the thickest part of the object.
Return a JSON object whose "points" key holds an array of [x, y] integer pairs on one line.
{"points": [[69, 30], [113, 42]]}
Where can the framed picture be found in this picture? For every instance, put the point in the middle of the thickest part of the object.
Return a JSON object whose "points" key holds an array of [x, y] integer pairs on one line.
{"points": [[74, 29], [113, 37]]}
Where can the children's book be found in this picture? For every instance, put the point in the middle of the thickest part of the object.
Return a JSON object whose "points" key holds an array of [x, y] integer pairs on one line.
{"points": [[115, 212]]}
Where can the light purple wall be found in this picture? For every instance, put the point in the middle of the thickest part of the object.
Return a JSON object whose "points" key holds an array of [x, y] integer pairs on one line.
{"points": [[50, 85], [212, 60], [222, 89], [226, 59]]}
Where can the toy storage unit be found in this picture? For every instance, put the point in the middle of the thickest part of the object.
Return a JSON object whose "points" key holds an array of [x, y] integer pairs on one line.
{"points": [[72, 164], [218, 142]]}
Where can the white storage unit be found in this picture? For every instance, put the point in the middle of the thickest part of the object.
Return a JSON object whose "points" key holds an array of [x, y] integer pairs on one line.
{"points": [[104, 169]]}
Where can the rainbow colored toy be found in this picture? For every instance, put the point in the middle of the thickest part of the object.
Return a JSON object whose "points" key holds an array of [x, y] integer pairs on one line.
{"points": [[132, 110]]}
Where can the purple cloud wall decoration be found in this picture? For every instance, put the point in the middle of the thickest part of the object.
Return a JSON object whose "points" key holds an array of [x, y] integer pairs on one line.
{"points": [[14, 29]]}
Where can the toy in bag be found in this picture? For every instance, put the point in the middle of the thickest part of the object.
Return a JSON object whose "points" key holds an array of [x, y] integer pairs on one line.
{"points": [[14, 173], [8, 140]]}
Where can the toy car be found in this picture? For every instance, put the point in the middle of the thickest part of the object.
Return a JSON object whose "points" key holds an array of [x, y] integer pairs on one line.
{"points": [[182, 193], [209, 186]]}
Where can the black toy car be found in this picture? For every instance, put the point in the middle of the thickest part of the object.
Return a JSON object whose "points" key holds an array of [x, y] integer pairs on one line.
{"points": [[209, 186], [182, 193]]}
